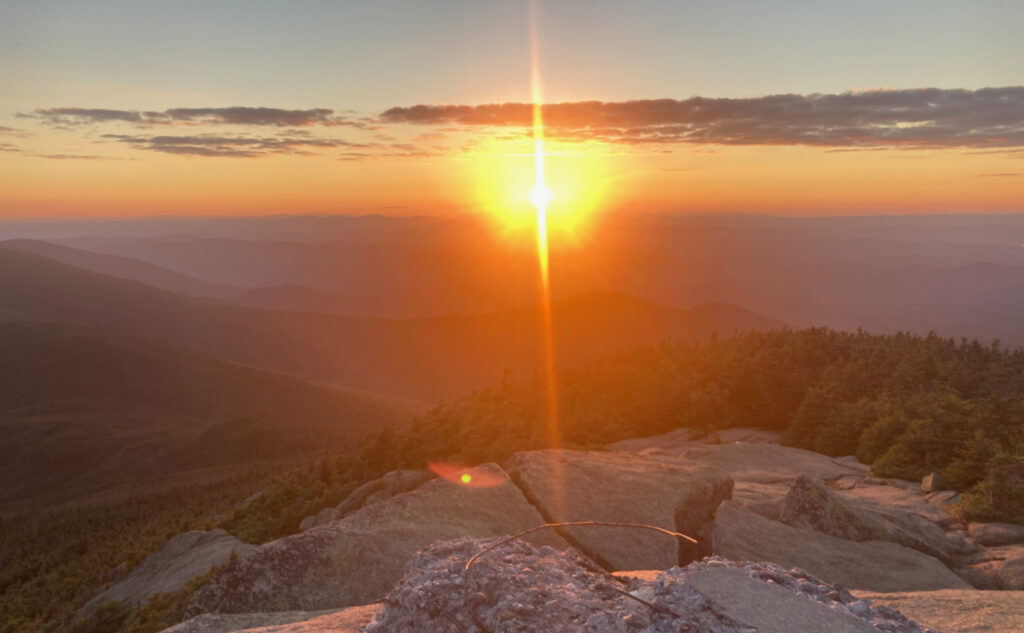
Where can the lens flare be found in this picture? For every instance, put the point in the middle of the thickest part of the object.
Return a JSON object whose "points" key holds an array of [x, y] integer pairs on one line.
{"points": [[541, 197]]}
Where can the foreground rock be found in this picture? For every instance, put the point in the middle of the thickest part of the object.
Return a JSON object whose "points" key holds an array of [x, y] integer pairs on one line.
{"points": [[958, 611], [653, 489], [989, 534], [185, 557], [358, 559], [740, 534], [811, 504], [521, 588], [391, 484], [351, 620], [394, 483], [762, 462]]}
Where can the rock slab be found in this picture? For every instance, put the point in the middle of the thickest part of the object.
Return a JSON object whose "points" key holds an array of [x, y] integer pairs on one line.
{"points": [[523, 589], [740, 534], [358, 559], [653, 489], [990, 534], [186, 556], [958, 611]]}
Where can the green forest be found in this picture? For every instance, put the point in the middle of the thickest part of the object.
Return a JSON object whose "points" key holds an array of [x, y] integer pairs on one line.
{"points": [[907, 405]]}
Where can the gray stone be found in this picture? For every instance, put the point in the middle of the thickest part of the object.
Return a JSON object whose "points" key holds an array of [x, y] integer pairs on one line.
{"points": [[933, 482], [990, 534], [876, 565], [524, 589], [689, 438], [183, 558], [1011, 572], [768, 500], [946, 500], [324, 517], [355, 618], [812, 505], [394, 483], [958, 611], [909, 511], [642, 488], [771, 463], [358, 559], [770, 608]]}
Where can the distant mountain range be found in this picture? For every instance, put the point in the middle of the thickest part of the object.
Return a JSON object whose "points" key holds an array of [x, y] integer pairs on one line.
{"points": [[421, 360], [83, 409], [957, 275]]}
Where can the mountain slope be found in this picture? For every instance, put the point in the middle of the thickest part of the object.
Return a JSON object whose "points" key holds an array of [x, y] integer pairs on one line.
{"points": [[124, 268], [84, 409], [420, 359]]}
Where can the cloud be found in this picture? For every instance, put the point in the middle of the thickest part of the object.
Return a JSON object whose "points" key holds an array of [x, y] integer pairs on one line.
{"points": [[1002, 175], [237, 115], [921, 118], [229, 146], [75, 157]]}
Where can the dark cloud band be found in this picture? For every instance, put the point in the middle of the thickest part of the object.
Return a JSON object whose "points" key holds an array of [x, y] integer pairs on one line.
{"points": [[230, 146], [931, 117], [238, 115]]}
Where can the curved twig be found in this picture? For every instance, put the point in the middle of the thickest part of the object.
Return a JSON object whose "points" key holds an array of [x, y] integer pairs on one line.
{"points": [[641, 526]]}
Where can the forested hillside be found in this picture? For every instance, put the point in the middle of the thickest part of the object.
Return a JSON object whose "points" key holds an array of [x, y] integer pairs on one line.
{"points": [[905, 404]]}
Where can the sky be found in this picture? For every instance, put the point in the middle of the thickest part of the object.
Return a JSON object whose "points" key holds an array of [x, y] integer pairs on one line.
{"points": [[234, 108]]}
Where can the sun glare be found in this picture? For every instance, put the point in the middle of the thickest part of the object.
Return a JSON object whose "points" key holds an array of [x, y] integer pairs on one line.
{"points": [[540, 196]]}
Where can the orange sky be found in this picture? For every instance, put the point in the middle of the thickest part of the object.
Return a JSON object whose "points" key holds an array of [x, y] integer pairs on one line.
{"points": [[657, 107]]}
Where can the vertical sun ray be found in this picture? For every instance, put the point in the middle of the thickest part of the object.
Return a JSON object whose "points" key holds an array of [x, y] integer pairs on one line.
{"points": [[541, 197]]}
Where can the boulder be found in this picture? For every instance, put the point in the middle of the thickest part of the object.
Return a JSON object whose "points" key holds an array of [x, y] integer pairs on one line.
{"points": [[771, 463], [946, 500], [907, 509], [394, 483], [1011, 572], [358, 559], [516, 587], [957, 610], [984, 568], [186, 556], [689, 438], [933, 482], [876, 565], [643, 488], [325, 516], [768, 500], [768, 607], [990, 534], [811, 504]]}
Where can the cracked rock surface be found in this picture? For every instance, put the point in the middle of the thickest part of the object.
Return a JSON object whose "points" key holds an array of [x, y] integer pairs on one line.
{"points": [[521, 588]]}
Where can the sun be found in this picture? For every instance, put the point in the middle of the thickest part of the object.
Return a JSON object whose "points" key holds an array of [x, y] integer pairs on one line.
{"points": [[576, 191], [540, 196]]}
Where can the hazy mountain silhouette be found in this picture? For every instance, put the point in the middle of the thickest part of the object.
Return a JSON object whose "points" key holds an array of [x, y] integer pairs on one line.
{"points": [[124, 268], [419, 359], [83, 409], [957, 275]]}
